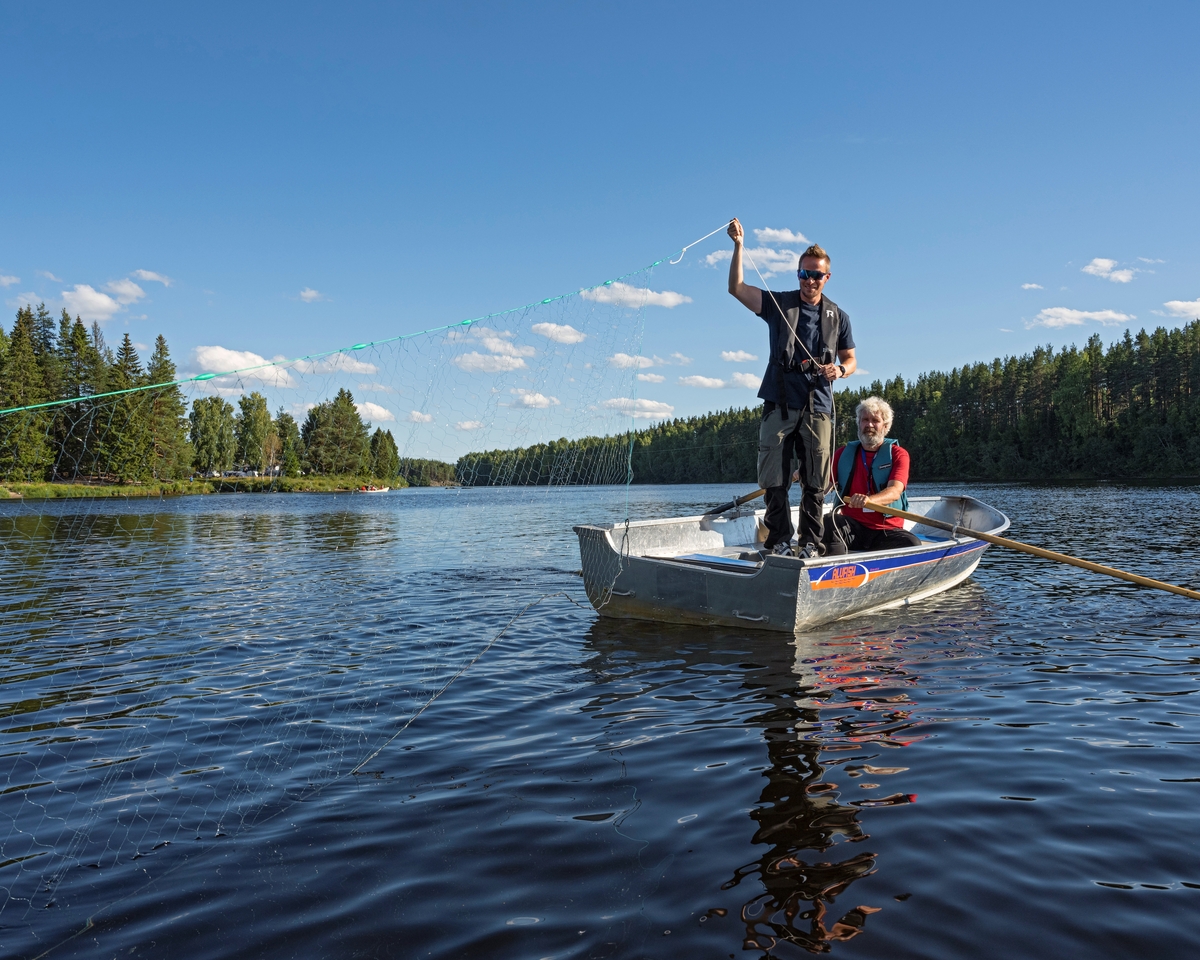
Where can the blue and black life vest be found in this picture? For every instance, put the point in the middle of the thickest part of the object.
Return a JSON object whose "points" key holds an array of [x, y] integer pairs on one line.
{"points": [[881, 469]]}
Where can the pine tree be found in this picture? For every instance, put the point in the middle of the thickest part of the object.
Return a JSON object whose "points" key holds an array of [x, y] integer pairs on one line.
{"points": [[212, 434], [170, 453], [257, 444], [25, 452]]}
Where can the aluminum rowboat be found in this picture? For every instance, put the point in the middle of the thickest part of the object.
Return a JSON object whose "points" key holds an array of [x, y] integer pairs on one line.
{"points": [[696, 570]]}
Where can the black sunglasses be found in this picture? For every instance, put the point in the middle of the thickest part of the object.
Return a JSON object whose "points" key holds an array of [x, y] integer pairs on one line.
{"points": [[812, 275]]}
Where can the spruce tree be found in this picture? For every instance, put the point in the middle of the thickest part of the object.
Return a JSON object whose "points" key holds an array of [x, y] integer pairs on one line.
{"points": [[336, 441], [45, 346], [25, 452], [170, 454], [385, 458], [126, 437]]}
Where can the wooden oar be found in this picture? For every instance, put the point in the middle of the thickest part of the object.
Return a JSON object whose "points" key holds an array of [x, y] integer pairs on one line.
{"points": [[1038, 551], [733, 503]]}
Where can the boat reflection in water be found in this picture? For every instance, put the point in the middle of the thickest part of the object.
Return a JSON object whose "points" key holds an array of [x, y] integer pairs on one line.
{"points": [[831, 709]]}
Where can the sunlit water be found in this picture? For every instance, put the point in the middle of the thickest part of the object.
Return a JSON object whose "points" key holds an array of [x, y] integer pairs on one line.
{"points": [[219, 741]]}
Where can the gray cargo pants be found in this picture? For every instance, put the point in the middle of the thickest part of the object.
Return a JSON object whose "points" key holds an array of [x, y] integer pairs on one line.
{"points": [[804, 435]]}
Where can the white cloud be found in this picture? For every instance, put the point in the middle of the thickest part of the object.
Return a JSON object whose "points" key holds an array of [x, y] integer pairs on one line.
{"points": [[469, 425], [501, 347], [1148, 260], [772, 235], [768, 260], [376, 387], [623, 295], [559, 332], [23, 300], [738, 380], [680, 359], [640, 409], [149, 276], [125, 291], [1183, 308], [623, 361], [89, 304], [336, 363], [416, 416], [49, 276], [1100, 267], [737, 356], [215, 359], [1065, 317], [527, 398], [475, 362], [8, 281], [309, 295], [651, 378], [374, 412], [1032, 286]]}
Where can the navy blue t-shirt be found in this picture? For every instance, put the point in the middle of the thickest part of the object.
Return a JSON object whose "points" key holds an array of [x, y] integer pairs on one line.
{"points": [[807, 320]]}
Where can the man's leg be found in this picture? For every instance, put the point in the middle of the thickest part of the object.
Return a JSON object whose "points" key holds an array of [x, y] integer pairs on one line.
{"points": [[868, 539], [836, 537], [814, 435], [776, 443]]}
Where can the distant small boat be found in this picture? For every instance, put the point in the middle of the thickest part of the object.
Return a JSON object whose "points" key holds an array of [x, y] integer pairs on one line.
{"points": [[700, 569], [371, 488]]}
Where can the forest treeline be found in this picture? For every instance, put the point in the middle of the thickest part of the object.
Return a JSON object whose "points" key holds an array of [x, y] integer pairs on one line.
{"points": [[150, 435], [1130, 411]]}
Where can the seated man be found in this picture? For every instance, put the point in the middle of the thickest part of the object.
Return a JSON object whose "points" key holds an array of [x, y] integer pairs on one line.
{"points": [[871, 469]]}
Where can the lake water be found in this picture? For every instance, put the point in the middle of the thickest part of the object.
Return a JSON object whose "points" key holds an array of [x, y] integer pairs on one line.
{"points": [[222, 738]]}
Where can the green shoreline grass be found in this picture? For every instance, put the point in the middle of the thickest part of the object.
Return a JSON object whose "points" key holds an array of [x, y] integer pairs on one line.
{"points": [[177, 488]]}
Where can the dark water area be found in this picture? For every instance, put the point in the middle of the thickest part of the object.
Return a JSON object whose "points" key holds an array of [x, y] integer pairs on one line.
{"points": [[222, 737]]}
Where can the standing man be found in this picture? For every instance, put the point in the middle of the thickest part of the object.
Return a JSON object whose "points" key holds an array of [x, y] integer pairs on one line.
{"points": [[811, 346]]}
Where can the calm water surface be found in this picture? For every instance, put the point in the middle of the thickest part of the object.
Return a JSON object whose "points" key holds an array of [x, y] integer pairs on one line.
{"points": [[220, 738]]}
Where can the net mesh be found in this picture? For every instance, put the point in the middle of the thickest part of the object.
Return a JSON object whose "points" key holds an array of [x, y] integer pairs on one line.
{"points": [[108, 763]]}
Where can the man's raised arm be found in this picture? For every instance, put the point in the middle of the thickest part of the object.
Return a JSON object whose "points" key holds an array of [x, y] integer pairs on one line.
{"points": [[748, 296]]}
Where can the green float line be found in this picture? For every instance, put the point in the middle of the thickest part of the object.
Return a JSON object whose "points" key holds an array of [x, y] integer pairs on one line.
{"points": [[328, 353]]}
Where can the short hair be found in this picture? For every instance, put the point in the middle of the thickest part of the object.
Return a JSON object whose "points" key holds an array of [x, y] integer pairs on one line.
{"points": [[879, 407], [816, 252]]}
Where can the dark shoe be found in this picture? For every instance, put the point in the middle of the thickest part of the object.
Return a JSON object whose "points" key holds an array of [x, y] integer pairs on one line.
{"points": [[783, 549], [810, 550]]}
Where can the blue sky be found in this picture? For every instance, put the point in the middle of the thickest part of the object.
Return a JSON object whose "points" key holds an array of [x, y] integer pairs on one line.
{"points": [[413, 165]]}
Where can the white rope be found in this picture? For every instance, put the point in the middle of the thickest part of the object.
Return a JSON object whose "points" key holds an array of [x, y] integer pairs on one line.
{"points": [[701, 240]]}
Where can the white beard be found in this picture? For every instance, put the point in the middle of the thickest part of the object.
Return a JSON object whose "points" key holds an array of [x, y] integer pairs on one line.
{"points": [[871, 440]]}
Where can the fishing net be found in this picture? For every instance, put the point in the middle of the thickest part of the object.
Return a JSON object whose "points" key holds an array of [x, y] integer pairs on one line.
{"points": [[182, 671]]}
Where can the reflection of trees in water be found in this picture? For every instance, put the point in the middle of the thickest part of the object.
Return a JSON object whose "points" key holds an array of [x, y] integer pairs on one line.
{"points": [[837, 702]]}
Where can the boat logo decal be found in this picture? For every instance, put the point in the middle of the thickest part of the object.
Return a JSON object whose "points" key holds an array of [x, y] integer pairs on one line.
{"points": [[843, 575]]}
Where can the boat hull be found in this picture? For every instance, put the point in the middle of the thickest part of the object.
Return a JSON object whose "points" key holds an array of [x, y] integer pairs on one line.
{"points": [[645, 571]]}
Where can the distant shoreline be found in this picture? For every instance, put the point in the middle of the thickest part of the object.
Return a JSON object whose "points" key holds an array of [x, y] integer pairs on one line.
{"points": [[183, 488], [257, 485]]}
